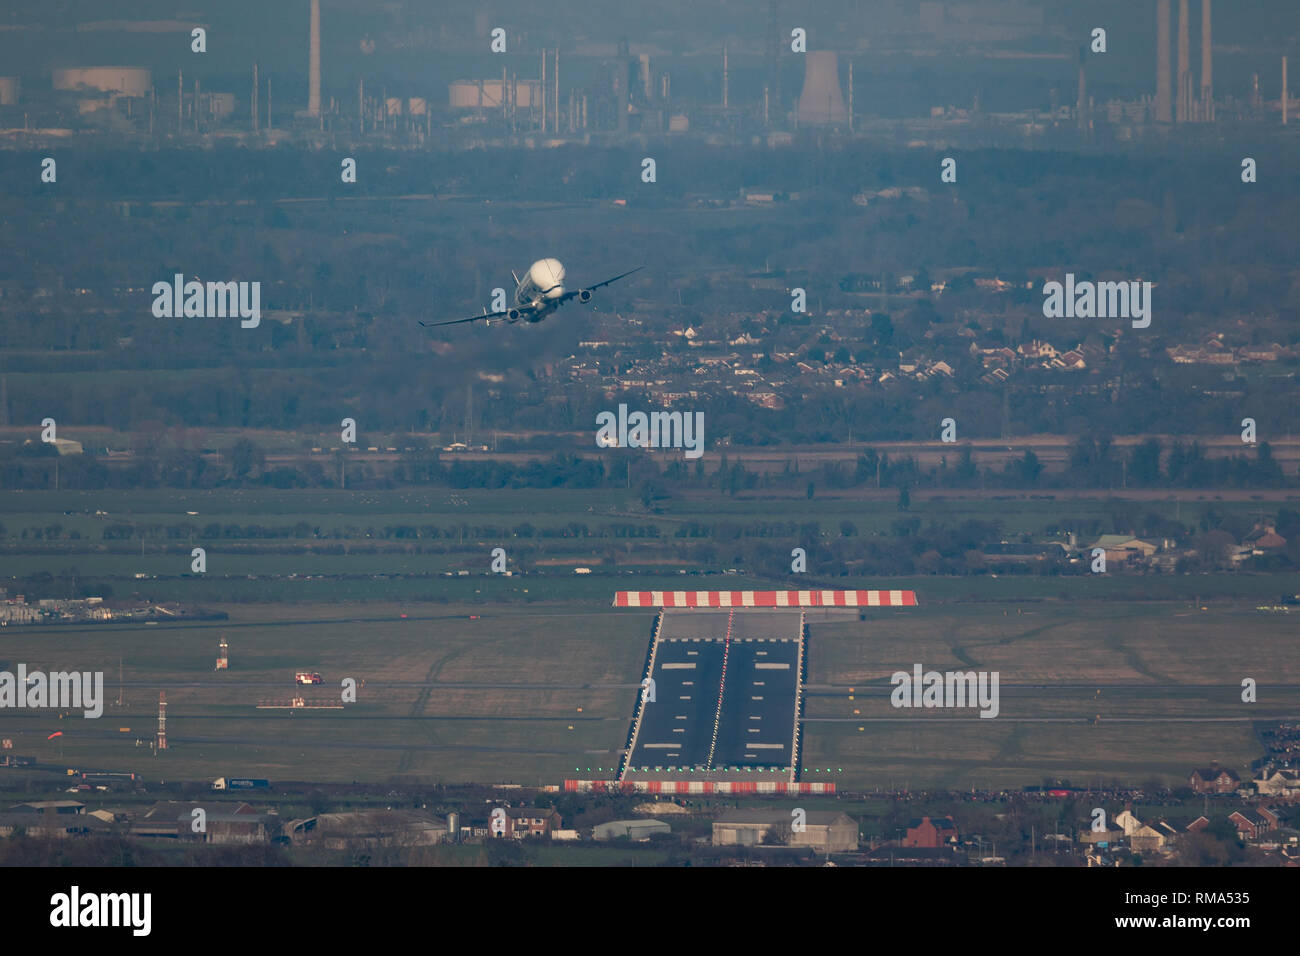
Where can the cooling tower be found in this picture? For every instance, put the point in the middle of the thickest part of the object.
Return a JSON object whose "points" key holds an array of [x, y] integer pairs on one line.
{"points": [[821, 103], [1164, 112], [1184, 64], [313, 65]]}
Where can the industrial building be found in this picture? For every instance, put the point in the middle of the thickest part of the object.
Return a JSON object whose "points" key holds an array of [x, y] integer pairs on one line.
{"points": [[826, 831], [368, 828], [639, 830]]}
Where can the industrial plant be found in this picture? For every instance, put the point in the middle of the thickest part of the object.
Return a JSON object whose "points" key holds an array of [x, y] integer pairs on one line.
{"points": [[473, 82]]}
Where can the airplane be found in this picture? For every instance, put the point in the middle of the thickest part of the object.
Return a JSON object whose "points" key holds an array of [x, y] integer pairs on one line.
{"points": [[539, 293]]}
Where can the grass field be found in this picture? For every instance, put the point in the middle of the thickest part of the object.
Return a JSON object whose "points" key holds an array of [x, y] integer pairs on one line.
{"points": [[532, 678], [535, 695]]}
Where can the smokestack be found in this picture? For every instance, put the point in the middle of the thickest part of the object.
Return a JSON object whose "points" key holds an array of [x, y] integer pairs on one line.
{"points": [[850, 94], [1207, 65], [313, 62], [821, 103], [725, 77], [1163, 112], [773, 95], [1081, 100], [1184, 64], [1284, 96]]}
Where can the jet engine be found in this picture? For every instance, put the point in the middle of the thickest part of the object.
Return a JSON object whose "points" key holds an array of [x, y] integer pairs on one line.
{"points": [[584, 295]]}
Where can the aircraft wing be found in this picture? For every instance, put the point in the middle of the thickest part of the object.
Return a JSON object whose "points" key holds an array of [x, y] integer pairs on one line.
{"points": [[472, 318], [592, 288]]}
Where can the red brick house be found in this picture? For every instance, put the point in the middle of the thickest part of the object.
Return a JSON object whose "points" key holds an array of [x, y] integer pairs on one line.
{"points": [[1214, 779], [930, 833], [1251, 823], [531, 821]]}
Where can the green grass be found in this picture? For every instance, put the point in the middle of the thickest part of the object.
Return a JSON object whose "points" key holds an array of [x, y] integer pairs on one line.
{"points": [[1150, 660]]}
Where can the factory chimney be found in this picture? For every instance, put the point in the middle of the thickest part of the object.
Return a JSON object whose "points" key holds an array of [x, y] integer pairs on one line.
{"points": [[313, 64], [1081, 100], [821, 103], [1184, 64], [1207, 65], [726, 77], [1163, 112]]}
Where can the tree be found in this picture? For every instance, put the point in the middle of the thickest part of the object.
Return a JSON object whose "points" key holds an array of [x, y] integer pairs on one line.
{"points": [[1144, 464], [245, 456], [1029, 468]]}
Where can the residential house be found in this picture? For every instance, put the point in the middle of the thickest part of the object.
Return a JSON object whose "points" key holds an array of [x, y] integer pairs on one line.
{"points": [[927, 832], [531, 821], [1278, 782], [1263, 539], [1214, 779], [1037, 350], [1251, 823], [1073, 360], [1124, 547]]}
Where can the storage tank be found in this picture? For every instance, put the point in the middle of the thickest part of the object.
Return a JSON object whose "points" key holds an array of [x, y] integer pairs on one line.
{"points": [[488, 94], [453, 827], [417, 106], [123, 80]]}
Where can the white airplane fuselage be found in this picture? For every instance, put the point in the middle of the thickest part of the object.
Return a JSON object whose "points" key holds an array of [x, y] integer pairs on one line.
{"points": [[540, 289]]}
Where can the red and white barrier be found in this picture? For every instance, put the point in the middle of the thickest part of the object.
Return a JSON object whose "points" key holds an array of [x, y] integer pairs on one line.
{"points": [[698, 786], [731, 599]]}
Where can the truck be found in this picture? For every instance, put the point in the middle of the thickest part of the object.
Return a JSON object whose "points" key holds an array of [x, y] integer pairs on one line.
{"points": [[240, 783], [308, 677]]}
